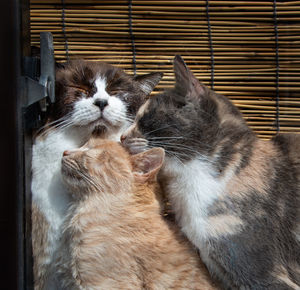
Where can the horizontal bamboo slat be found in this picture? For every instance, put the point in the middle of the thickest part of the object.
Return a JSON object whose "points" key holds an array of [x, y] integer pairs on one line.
{"points": [[243, 41]]}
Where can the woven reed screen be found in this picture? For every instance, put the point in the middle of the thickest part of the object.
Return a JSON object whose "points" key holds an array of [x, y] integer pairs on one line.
{"points": [[246, 50]]}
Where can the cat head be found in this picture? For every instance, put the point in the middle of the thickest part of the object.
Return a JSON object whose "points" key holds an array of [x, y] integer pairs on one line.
{"points": [[91, 94], [105, 167], [186, 121]]}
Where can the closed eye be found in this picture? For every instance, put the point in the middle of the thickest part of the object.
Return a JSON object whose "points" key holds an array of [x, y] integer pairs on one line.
{"points": [[85, 91], [115, 92]]}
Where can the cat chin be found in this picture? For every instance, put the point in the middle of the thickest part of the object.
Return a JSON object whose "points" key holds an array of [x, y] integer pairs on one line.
{"points": [[99, 127], [100, 130]]}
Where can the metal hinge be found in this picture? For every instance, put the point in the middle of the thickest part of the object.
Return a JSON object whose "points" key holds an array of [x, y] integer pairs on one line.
{"points": [[44, 89]]}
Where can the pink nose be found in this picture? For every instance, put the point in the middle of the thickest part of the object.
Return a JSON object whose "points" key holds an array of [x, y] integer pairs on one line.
{"points": [[66, 153]]}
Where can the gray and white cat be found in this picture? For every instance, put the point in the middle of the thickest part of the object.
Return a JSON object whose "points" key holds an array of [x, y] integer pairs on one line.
{"points": [[89, 96], [236, 197]]}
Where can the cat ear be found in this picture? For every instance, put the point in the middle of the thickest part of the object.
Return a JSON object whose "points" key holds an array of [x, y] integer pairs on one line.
{"points": [[147, 164], [148, 82], [185, 80]]}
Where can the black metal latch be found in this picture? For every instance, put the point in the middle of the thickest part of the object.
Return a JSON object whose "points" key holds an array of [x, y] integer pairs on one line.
{"points": [[38, 91]]}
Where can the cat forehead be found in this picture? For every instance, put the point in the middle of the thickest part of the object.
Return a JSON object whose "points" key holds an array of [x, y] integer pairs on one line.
{"points": [[77, 71], [159, 104], [99, 146], [100, 83], [97, 142], [92, 156]]}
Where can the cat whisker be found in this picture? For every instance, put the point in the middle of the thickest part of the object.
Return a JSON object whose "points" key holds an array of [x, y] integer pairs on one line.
{"points": [[130, 116], [53, 125], [175, 155], [58, 124], [87, 179], [175, 146], [167, 138], [183, 155], [64, 126], [117, 113], [158, 129], [121, 117], [90, 181], [127, 116], [171, 153], [81, 174]]}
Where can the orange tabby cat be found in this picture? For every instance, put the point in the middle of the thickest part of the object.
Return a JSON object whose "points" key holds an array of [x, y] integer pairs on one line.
{"points": [[114, 236]]}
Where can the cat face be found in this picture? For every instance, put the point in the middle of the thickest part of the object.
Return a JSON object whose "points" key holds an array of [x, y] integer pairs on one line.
{"points": [[186, 121], [94, 94], [105, 166], [97, 166]]}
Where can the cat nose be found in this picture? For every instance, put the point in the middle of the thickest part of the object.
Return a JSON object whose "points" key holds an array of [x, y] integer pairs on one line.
{"points": [[66, 153], [101, 103]]}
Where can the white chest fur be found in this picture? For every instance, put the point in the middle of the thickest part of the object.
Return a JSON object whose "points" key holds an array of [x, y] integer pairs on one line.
{"points": [[48, 192], [193, 188]]}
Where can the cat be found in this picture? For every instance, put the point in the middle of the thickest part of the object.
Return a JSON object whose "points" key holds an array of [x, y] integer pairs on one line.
{"points": [[114, 235], [236, 197], [90, 96]]}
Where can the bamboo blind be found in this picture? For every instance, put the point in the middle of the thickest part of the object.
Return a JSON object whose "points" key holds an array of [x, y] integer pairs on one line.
{"points": [[246, 50]]}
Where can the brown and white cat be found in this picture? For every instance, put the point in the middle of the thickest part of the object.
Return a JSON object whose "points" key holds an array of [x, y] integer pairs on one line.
{"points": [[89, 96], [235, 196], [114, 236]]}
